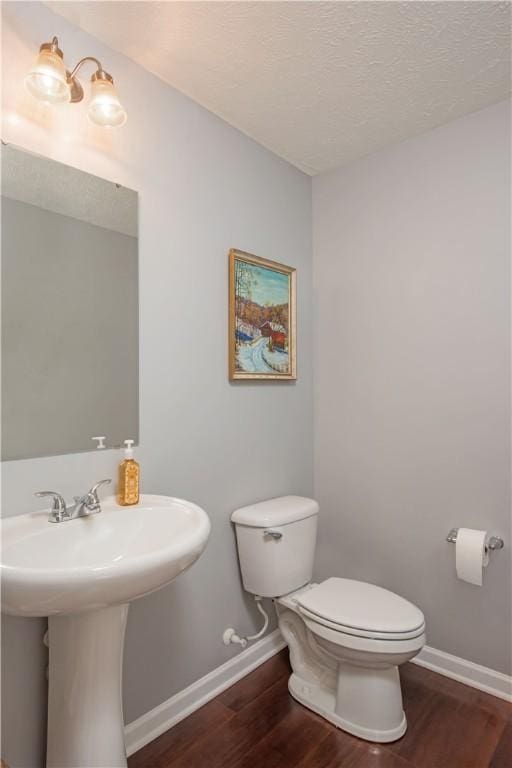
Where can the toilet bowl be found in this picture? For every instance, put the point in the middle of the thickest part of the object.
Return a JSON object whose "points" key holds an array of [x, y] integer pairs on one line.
{"points": [[346, 638], [367, 632]]}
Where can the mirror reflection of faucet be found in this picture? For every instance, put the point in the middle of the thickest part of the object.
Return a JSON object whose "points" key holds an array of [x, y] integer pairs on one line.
{"points": [[83, 506]]}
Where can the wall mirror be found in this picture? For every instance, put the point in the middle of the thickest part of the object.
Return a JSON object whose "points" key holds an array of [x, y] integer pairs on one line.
{"points": [[69, 308]]}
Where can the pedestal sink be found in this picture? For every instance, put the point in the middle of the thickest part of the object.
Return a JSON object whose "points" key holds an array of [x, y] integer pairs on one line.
{"points": [[82, 574]]}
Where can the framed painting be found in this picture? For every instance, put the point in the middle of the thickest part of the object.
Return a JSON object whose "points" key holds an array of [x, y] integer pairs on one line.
{"points": [[262, 318]]}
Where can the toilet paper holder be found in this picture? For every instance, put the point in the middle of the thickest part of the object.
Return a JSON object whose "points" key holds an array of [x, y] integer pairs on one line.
{"points": [[494, 543]]}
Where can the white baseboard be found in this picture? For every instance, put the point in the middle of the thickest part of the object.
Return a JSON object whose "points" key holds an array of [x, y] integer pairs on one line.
{"points": [[158, 720], [467, 672]]}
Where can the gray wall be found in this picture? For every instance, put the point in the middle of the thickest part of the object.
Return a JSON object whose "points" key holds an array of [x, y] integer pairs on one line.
{"points": [[203, 188], [412, 280], [69, 333]]}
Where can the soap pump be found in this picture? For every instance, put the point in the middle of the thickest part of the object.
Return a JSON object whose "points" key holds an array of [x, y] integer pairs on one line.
{"points": [[129, 475]]}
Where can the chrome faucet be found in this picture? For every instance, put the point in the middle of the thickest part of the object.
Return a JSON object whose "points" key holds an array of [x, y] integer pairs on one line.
{"points": [[83, 506]]}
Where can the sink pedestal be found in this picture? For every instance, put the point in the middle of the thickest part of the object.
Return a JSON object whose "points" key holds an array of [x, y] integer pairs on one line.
{"points": [[85, 713]]}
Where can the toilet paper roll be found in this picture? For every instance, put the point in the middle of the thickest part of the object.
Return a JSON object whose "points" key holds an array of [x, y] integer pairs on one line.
{"points": [[471, 556]]}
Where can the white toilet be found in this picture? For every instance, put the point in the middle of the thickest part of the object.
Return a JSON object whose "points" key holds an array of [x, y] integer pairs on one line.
{"points": [[346, 638]]}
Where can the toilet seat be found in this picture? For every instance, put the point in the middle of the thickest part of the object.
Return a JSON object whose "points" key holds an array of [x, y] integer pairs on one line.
{"points": [[311, 619], [361, 610], [371, 646]]}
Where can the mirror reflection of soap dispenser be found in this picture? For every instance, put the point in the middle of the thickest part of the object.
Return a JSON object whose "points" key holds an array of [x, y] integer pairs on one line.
{"points": [[129, 477]]}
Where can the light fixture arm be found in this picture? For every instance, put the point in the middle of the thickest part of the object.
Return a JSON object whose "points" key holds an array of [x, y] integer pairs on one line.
{"points": [[77, 92], [81, 62]]}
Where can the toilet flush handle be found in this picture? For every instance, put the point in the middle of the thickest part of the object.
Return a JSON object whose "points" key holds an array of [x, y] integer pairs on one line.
{"points": [[273, 534]]}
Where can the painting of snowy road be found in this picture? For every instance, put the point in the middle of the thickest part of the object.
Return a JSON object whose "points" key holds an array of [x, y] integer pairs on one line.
{"points": [[262, 318]]}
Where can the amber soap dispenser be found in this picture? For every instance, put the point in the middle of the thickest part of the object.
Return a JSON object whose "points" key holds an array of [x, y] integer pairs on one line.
{"points": [[129, 476]]}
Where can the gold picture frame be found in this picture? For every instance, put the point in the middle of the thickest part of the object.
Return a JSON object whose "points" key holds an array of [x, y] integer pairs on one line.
{"points": [[262, 319]]}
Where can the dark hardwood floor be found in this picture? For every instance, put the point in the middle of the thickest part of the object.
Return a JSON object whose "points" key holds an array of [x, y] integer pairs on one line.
{"points": [[256, 724]]}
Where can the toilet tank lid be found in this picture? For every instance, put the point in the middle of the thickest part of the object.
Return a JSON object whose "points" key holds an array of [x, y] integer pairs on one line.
{"points": [[279, 511]]}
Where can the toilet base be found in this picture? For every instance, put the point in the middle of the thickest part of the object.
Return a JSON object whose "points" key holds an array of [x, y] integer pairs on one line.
{"points": [[323, 701]]}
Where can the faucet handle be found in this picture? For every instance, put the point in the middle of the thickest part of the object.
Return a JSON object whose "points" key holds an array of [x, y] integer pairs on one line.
{"points": [[94, 490], [58, 510]]}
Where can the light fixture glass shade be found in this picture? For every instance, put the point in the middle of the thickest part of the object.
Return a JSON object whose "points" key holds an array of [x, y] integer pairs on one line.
{"points": [[105, 108], [47, 79]]}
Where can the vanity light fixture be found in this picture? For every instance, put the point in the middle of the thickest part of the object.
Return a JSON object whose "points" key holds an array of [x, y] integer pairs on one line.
{"points": [[51, 82]]}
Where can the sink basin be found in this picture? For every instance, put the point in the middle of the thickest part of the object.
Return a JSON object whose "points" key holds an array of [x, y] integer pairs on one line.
{"points": [[82, 574], [108, 558]]}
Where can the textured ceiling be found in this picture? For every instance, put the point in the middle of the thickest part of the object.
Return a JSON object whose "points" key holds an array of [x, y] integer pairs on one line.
{"points": [[319, 83], [62, 189]]}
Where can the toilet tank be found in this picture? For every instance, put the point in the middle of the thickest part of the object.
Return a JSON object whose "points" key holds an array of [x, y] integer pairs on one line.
{"points": [[276, 544]]}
